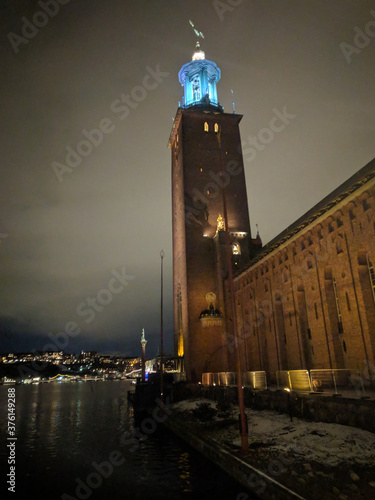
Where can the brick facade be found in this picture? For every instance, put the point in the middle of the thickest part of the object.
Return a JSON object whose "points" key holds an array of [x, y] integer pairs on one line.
{"points": [[199, 154], [307, 300]]}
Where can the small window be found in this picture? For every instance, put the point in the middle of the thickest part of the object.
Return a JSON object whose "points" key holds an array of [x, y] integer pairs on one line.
{"points": [[347, 301], [344, 345], [216, 128], [371, 271], [309, 333], [365, 205], [338, 308], [206, 129]]}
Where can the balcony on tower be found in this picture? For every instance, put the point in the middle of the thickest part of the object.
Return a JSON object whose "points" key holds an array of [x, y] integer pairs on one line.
{"points": [[199, 78], [211, 316]]}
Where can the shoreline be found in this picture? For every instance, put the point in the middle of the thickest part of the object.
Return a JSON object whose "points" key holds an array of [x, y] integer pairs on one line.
{"points": [[269, 472]]}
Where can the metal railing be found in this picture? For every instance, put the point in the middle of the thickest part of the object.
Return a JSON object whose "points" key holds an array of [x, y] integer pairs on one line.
{"points": [[255, 380], [294, 380], [328, 381], [202, 104], [333, 380]]}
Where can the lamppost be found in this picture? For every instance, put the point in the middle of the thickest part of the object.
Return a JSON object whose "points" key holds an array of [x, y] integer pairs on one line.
{"points": [[161, 325], [241, 404]]}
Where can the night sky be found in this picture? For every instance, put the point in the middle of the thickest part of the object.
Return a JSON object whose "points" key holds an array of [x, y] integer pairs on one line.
{"points": [[66, 231]]}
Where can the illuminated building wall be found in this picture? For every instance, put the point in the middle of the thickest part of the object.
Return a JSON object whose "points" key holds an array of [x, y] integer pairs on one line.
{"points": [[308, 299]]}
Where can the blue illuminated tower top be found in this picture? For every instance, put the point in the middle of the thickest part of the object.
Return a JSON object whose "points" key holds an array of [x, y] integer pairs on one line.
{"points": [[199, 78]]}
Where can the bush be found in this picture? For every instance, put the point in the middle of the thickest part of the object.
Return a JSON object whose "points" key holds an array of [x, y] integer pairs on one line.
{"points": [[224, 408], [204, 412]]}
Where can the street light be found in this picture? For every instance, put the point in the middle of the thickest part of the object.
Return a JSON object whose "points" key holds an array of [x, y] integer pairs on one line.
{"points": [[243, 420], [161, 325]]}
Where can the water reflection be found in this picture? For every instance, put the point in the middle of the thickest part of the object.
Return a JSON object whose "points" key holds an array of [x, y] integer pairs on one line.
{"points": [[62, 429]]}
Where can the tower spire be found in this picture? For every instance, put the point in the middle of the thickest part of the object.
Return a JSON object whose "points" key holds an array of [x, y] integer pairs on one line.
{"points": [[199, 78], [198, 53]]}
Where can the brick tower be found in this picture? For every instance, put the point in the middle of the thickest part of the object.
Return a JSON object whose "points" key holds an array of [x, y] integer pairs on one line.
{"points": [[206, 160]]}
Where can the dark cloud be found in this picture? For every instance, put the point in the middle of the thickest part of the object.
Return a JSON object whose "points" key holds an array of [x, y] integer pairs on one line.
{"points": [[113, 209]]}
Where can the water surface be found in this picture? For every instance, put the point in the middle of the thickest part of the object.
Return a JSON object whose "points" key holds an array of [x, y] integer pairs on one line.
{"points": [[62, 428]]}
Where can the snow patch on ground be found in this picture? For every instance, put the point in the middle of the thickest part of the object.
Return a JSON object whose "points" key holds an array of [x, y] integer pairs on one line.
{"points": [[326, 443]]}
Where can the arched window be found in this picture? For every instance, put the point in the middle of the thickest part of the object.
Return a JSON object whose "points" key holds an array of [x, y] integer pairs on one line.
{"points": [[216, 128], [206, 127]]}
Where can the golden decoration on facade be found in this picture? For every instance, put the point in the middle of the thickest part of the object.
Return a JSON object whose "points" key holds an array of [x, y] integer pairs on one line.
{"points": [[220, 223]]}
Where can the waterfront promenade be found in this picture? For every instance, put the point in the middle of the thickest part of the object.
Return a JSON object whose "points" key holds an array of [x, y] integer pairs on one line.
{"points": [[299, 445]]}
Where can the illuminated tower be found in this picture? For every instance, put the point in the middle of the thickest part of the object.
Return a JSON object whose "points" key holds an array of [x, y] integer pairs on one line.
{"points": [[206, 157], [143, 344]]}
